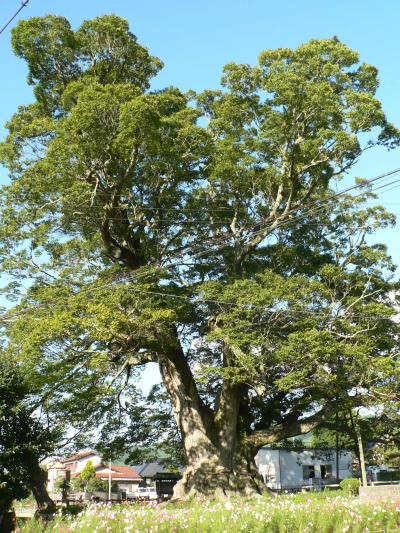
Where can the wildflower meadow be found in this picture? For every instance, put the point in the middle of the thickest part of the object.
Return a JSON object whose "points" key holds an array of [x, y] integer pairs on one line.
{"points": [[290, 513]]}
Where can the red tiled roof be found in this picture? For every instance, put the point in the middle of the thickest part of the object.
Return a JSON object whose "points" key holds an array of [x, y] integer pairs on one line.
{"points": [[119, 472]]}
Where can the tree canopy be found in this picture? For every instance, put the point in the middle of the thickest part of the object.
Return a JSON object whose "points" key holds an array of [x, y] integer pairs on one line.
{"points": [[200, 232], [24, 442]]}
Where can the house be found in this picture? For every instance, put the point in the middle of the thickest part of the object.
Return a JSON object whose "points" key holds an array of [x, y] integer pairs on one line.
{"points": [[77, 462], [125, 477], [147, 471], [291, 469], [156, 475], [55, 472]]}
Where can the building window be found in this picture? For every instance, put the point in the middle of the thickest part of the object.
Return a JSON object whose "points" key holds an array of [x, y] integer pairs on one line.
{"points": [[308, 471], [326, 471]]}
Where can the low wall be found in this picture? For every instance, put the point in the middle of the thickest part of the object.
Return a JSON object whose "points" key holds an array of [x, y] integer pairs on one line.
{"points": [[380, 493]]}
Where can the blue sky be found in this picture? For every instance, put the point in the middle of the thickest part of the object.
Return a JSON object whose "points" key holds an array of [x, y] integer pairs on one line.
{"points": [[196, 38]]}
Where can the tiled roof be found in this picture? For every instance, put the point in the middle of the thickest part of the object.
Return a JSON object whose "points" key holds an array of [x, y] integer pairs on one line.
{"points": [[149, 469], [78, 456], [119, 472]]}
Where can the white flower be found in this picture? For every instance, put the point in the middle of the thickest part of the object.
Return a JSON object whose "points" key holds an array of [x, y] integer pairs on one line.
{"points": [[228, 505]]}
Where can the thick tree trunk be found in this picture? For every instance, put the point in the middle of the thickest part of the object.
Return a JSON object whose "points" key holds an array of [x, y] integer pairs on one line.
{"points": [[218, 474], [7, 521], [37, 483], [7, 515], [217, 467], [215, 480]]}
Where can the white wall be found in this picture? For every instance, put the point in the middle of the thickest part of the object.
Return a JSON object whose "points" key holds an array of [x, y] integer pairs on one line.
{"points": [[127, 486], [105, 470], [284, 468], [54, 473], [81, 463], [267, 461]]}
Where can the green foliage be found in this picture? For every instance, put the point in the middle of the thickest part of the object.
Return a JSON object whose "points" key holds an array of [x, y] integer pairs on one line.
{"points": [[72, 510], [102, 49], [326, 438], [77, 484], [62, 486], [92, 484], [386, 450], [350, 486], [88, 472], [291, 444], [146, 433], [97, 485], [379, 433], [149, 234], [23, 440]]}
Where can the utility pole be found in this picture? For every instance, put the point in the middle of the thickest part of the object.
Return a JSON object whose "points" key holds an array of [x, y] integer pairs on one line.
{"points": [[362, 460], [109, 481], [337, 447], [356, 429]]}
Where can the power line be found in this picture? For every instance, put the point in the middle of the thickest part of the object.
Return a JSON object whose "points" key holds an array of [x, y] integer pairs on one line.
{"points": [[139, 207], [362, 183], [250, 306], [208, 224], [200, 300], [317, 205], [312, 207], [203, 251], [311, 210], [324, 205], [133, 277], [215, 246], [24, 3], [81, 216]]}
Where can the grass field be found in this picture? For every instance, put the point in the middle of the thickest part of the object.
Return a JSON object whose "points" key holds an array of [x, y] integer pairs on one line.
{"points": [[311, 513]]}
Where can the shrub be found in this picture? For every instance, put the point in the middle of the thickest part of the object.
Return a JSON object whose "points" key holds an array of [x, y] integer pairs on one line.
{"points": [[72, 510], [97, 485], [350, 485], [62, 486], [76, 484], [88, 472]]}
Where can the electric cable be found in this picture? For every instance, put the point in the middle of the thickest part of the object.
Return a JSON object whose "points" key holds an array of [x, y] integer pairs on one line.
{"points": [[24, 3], [136, 276]]}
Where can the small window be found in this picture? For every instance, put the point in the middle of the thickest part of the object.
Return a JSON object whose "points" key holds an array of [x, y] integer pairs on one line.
{"points": [[308, 472], [326, 471]]}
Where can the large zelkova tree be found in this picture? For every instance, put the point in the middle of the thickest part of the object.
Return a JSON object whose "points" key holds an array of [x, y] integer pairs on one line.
{"points": [[161, 227]]}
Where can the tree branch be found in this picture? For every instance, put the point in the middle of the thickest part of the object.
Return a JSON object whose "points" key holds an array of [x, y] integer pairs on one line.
{"points": [[290, 429]]}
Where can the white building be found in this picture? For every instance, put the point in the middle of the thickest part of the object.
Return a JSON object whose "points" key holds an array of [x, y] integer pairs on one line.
{"points": [[285, 469], [76, 463], [125, 477], [55, 472]]}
